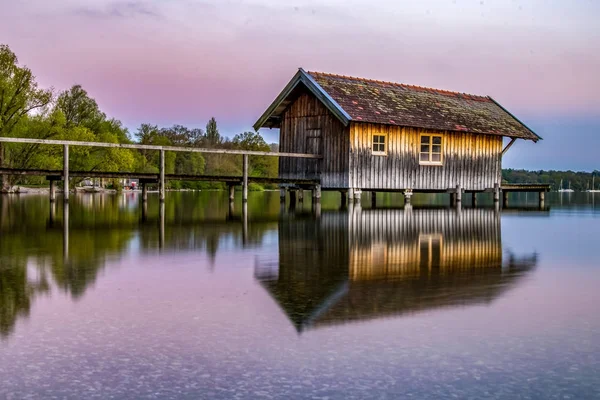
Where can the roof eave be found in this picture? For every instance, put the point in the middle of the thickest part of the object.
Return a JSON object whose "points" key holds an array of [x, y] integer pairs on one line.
{"points": [[303, 77], [538, 137]]}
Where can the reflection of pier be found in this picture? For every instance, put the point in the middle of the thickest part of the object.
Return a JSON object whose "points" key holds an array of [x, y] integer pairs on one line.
{"points": [[365, 264]]}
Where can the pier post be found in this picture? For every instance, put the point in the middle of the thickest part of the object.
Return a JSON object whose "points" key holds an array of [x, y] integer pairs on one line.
{"points": [[317, 193], [407, 196], [504, 199], [301, 195], [231, 193], [52, 190], [458, 194], [292, 196], [162, 176], [542, 199], [282, 195], [144, 192], [373, 199], [496, 192], [66, 171], [344, 198], [357, 194], [474, 199], [245, 179]]}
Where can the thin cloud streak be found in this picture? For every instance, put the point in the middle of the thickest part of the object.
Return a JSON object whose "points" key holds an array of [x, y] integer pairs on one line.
{"points": [[119, 9]]}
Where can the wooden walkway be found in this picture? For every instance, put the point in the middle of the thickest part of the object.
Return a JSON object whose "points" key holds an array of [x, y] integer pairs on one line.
{"points": [[161, 177]]}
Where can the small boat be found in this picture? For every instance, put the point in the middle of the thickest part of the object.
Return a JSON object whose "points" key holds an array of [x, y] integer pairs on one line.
{"points": [[569, 190]]}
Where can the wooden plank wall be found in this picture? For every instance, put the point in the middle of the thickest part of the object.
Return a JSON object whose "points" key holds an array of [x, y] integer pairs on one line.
{"points": [[308, 117], [473, 161]]}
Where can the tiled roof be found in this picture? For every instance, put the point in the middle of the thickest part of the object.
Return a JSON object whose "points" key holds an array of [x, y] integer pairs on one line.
{"points": [[390, 103]]}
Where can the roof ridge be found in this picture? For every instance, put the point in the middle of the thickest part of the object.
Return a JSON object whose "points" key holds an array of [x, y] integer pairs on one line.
{"points": [[403, 85]]}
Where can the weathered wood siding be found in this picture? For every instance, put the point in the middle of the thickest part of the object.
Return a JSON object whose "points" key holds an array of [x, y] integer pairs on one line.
{"points": [[471, 161], [308, 127]]}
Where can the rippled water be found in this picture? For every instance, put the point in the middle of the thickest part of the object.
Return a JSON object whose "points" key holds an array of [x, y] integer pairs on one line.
{"points": [[106, 299]]}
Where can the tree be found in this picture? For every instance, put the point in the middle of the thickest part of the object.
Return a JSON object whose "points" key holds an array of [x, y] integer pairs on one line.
{"points": [[213, 137], [19, 95], [80, 109]]}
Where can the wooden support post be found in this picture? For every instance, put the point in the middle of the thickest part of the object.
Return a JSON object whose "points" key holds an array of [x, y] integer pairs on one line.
{"points": [[231, 193], [317, 193], [245, 179], [496, 192], [458, 194], [292, 196], [66, 171], [52, 190], [474, 199], [282, 195], [344, 198], [407, 196], [504, 199], [301, 195], [162, 177], [357, 194], [542, 199], [144, 192], [373, 199]]}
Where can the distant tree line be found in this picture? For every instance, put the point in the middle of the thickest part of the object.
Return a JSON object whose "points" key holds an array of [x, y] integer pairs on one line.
{"points": [[579, 181], [32, 112], [28, 111]]}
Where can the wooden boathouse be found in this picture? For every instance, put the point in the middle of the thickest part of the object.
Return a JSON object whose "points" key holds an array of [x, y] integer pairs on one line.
{"points": [[384, 136]]}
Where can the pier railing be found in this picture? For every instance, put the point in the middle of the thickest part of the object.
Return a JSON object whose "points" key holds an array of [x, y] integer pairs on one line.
{"points": [[161, 175]]}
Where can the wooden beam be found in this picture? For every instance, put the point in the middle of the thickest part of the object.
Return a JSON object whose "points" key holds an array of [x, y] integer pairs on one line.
{"points": [[151, 147], [162, 176], [512, 141]]}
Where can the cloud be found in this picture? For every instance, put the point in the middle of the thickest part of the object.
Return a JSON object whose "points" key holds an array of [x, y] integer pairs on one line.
{"points": [[120, 9]]}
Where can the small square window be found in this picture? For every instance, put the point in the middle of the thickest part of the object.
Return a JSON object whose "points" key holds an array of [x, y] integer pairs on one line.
{"points": [[379, 144], [431, 150]]}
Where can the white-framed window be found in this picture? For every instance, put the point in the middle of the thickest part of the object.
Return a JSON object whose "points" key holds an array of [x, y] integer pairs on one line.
{"points": [[379, 144], [431, 150]]}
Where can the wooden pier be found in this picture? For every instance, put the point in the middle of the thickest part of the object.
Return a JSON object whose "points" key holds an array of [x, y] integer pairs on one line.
{"points": [[161, 177]]}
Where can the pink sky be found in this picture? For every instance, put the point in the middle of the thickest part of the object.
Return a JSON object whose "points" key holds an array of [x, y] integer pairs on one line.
{"points": [[183, 61]]}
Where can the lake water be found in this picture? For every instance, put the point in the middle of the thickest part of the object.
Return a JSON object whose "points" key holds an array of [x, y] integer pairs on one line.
{"points": [[201, 300]]}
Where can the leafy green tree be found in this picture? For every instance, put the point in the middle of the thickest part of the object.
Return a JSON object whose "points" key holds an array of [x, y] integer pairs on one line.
{"points": [[79, 109], [19, 95]]}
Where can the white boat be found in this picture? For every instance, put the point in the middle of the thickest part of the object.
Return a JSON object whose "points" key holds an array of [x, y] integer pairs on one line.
{"points": [[569, 190], [592, 190]]}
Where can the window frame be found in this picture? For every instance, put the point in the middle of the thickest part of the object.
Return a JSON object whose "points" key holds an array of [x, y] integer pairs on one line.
{"points": [[431, 152], [385, 144]]}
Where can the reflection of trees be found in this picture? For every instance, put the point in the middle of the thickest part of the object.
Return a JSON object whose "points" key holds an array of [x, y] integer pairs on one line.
{"points": [[101, 228], [372, 263]]}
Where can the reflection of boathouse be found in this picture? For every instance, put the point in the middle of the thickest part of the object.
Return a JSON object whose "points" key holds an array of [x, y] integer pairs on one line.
{"points": [[373, 263]]}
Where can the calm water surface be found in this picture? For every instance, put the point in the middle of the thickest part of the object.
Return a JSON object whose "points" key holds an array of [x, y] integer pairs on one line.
{"points": [[200, 300]]}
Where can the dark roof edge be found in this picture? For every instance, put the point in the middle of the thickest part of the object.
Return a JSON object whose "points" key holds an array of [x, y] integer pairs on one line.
{"points": [[516, 119], [316, 89]]}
